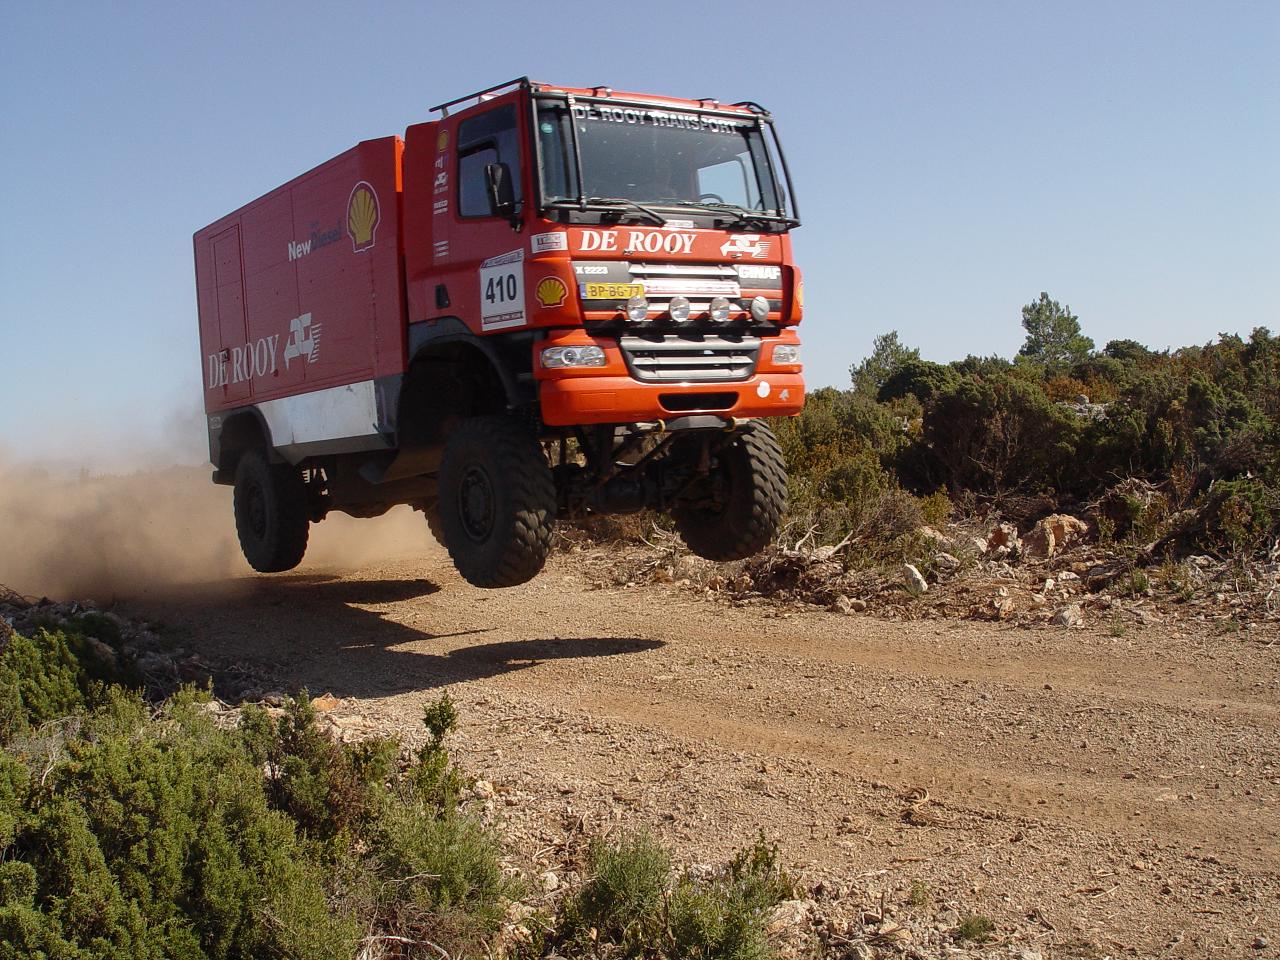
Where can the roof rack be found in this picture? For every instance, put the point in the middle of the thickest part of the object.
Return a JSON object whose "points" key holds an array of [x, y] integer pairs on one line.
{"points": [[752, 106], [521, 82]]}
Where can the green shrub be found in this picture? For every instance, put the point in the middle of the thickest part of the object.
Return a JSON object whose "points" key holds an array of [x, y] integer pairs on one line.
{"points": [[1000, 433], [165, 836], [632, 904]]}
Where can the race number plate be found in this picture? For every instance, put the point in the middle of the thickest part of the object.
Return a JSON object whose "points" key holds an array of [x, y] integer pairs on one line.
{"points": [[502, 291]]}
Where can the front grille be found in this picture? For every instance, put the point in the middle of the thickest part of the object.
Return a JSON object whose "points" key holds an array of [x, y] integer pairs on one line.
{"points": [[690, 358], [700, 283]]}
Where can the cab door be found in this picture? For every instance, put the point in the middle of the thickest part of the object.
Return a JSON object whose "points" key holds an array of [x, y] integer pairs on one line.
{"points": [[481, 255]]}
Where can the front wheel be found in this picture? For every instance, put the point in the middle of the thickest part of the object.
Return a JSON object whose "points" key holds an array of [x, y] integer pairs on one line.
{"points": [[736, 511], [270, 502], [497, 502]]}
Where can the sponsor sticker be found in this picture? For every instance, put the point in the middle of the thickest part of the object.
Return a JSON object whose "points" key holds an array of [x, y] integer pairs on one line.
{"points": [[363, 215], [751, 271], [304, 340], [636, 241], [316, 239], [237, 364], [745, 244], [544, 242], [643, 117], [502, 291], [551, 291], [440, 206], [441, 249]]}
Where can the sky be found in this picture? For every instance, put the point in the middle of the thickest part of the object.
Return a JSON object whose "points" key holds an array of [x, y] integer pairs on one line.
{"points": [[951, 161]]}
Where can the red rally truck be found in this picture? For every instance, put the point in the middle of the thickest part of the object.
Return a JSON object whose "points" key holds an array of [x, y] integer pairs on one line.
{"points": [[548, 302]]}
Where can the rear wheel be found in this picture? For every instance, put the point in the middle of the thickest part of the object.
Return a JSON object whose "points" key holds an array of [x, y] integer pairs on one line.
{"points": [[497, 502], [736, 512], [270, 503]]}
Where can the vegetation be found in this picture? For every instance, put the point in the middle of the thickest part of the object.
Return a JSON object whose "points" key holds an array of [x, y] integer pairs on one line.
{"points": [[1179, 446], [133, 831], [633, 903]]}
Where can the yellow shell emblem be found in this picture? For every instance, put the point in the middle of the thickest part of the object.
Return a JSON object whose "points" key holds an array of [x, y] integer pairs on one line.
{"points": [[551, 291], [362, 216]]}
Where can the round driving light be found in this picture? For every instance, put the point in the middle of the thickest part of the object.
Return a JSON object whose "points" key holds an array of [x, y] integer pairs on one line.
{"points": [[719, 311], [637, 309], [759, 309], [679, 309]]}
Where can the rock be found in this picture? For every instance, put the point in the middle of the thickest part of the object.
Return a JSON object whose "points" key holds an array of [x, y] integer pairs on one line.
{"points": [[939, 540], [914, 580], [1003, 607], [847, 606], [1004, 535], [979, 545], [1069, 616], [947, 562], [326, 703], [549, 881], [790, 914], [1052, 534], [483, 789]]}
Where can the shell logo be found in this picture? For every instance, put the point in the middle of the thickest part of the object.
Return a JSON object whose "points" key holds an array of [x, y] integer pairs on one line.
{"points": [[442, 141], [551, 291], [362, 216]]}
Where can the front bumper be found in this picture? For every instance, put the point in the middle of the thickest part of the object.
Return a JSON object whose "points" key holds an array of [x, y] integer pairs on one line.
{"points": [[610, 394], [583, 400]]}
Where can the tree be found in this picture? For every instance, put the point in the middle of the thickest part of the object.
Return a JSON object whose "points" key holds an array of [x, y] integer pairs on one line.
{"points": [[887, 355], [1053, 334]]}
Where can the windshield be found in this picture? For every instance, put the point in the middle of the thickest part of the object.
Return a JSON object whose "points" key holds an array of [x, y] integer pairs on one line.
{"points": [[659, 157]]}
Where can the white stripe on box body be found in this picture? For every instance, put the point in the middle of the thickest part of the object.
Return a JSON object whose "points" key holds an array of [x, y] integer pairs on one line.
{"points": [[335, 413]]}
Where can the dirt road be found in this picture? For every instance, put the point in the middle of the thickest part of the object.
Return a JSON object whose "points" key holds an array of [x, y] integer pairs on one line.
{"points": [[1096, 795]]}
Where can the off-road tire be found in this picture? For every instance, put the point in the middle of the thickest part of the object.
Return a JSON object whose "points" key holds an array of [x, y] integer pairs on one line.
{"points": [[270, 503], [754, 474], [497, 501], [432, 514]]}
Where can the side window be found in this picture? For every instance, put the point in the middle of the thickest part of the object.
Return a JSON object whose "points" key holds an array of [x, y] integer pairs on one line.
{"points": [[492, 137], [473, 199]]}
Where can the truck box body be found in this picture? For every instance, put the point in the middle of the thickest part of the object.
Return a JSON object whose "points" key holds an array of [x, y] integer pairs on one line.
{"points": [[301, 305]]}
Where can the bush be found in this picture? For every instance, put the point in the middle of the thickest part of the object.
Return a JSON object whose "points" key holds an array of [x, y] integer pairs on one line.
{"points": [[1000, 433], [634, 905], [128, 835]]}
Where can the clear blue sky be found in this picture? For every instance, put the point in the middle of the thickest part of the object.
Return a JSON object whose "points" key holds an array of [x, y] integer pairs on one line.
{"points": [[952, 161]]}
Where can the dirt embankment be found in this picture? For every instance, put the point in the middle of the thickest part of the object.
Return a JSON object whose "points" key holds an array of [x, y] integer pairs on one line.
{"points": [[1096, 792]]}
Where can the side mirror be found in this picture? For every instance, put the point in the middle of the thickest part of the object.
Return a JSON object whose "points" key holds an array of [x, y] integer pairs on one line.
{"points": [[502, 194]]}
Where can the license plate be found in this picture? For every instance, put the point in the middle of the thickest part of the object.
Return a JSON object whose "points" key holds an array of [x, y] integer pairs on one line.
{"points": [[612, 291]]}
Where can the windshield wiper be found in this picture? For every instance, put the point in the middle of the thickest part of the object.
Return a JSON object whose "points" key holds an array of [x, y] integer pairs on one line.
{"points": [[607, 202], [742, 215]]}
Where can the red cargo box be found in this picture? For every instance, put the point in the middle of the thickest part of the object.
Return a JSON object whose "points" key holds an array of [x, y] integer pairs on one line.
{"points": [[300, 295]]}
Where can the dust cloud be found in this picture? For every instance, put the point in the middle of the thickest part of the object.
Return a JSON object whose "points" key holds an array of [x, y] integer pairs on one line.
{"points": [[76, 534]]}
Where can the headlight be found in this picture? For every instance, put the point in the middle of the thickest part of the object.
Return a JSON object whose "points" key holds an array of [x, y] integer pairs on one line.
{"points": [[759, 309], [638, 309], [786, 353], [588, 356], [679, 309], [719, 310]]}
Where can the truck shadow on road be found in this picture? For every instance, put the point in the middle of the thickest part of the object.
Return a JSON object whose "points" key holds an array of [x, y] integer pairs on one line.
{"points": [[314, 631]]}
